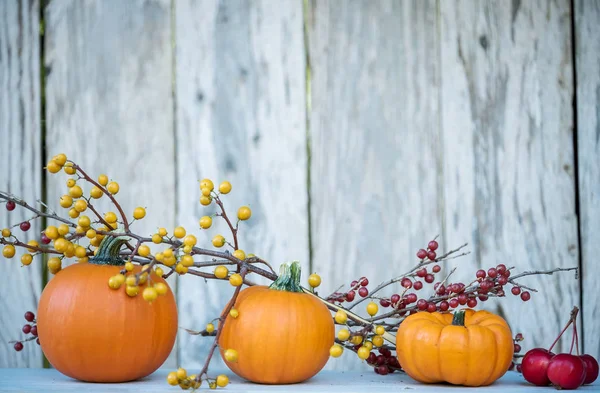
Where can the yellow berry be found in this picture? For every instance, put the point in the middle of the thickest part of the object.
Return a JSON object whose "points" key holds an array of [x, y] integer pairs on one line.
{"points": [[170, 262], [95, 242], [222, 380], [61, 244], [113, 187], [225, 187], [54, 265], [172, 379], [205, 201], [181, 373], [244, 213], [336, 351], [234, 313], [120, 278], [71, 182], [69, 168], [368, 344], [83, 260], [128, 266], [66, 201], [180, 269], [139, 213], [363, 352], [343, 334], [6, 232], [73, 213], [132, 290], [231, 355], [80, 205], [168, 252], [205, 222], [377, 341], [372, 308], [79, 230], [156, 238], [60, 159], [53, 167], [51, 232], [190, 240], [212, 385], [26, 259], [314, 280], [341, 317], [162, 231], [239, 254], [210, 327], [194, 384], [218, 241], [75, 191], [236, 280], [161, 288], [80, 252], [207, 183], [110, 217], [96, 192], [84, 221], [187, 260], [33, 243], [131, 280], [159, 271], [144, 250], [90, 234], [179, 232], [143, 277], [103, 180], [113, 283], [380, 330], [221, 271], [205, 191], [150, 294], [8, 251], [356, 340], [63, 229]]}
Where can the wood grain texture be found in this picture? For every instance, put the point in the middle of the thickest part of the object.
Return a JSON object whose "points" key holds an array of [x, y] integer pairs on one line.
{"points": [[240, 117], [20, 169], [507, 119], [587, 45], [374, 128], [109, 102]]}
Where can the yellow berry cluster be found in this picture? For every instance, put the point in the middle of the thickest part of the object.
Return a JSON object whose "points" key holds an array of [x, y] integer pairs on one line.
{"points": [[134, 282], [363, 352], [185, 381]]}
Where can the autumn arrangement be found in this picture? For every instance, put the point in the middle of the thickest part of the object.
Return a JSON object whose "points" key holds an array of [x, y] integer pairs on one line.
{"points": [[119, 281]]}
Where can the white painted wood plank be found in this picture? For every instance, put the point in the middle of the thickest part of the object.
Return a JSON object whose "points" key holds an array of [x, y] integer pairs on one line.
{"points": [[374, 128], [20, 169], [241, 118], [507, 117], [109, 102], [326, 381], [587, 45]]}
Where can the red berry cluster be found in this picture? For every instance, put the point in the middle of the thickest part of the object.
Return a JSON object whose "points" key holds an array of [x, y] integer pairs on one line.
{"points": [[28, 328], [518, 338], [383, 363], [359, 286]]}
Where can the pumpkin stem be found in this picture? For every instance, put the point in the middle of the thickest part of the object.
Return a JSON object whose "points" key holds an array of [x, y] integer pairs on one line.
{"points": [[459, 318], [108, 251], [289, 278]]}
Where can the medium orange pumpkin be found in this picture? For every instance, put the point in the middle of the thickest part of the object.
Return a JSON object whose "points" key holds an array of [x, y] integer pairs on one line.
{"points": [[96, 334], [470, 348], [282, 335]]}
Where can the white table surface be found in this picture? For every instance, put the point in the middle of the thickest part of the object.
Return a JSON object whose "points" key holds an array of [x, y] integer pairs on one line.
{"points": [[49, 380]]}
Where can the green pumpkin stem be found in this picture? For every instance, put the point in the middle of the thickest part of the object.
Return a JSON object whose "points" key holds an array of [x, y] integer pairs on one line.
{"points": [[459, 318], [289, 278], [108, 251]]}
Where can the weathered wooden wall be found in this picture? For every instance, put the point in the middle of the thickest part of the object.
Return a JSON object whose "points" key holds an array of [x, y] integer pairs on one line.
{"points": [[420, 118]]}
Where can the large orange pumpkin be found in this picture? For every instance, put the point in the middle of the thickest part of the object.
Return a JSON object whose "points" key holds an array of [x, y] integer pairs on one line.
{"points": [[470, 348], [96, 334], [281, 334]]}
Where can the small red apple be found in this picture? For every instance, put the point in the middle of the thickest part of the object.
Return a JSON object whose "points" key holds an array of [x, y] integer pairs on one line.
{"points": [[591, 368], [566, 371], [535, 365]]}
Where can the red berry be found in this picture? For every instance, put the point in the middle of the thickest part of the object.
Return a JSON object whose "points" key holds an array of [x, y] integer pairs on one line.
{"points": [[29, 316], [385, 352], [480, 273], [364, 281], [18, 346], [421, 254], [384, 302], [418, 285], [372, 359], [512, 366], [433, 245], [45, 239], [501, 268], [421, 272], [517, 348], [429, 278], [525, 296], [506, 273], [535, 366], [382, 370], [37, 341], [441, 290], [471, 302], [444, 305], [34, 330], [25, 225], [519, 337], [483, 298], [515, 290], [519, 368], [410, 298], [436, 268], [353, 284], [431, 307], [462, 299], [26, 328], [502, 280], [363, 291], [566, 371], [406, 282], [492, 272], [431, 255], [350, 296], [422, 304], [453, 302], [395, 298], [500, 292], [380, 360], [591, 368], [10, 206]]}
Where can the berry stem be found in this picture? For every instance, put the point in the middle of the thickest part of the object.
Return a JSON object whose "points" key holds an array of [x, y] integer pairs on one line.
{"points": [[231, 228], [571, 320]]}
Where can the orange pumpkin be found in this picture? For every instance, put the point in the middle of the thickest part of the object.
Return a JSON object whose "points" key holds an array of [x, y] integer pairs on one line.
{"points": [[96, 334], [470, 348], [281, 334]]}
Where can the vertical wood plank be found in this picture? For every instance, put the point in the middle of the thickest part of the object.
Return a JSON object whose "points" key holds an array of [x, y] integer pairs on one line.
{"points": [[109, 102], [240, 117], [374, 127], [20, 168], [507, 119], [587, 43]]}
